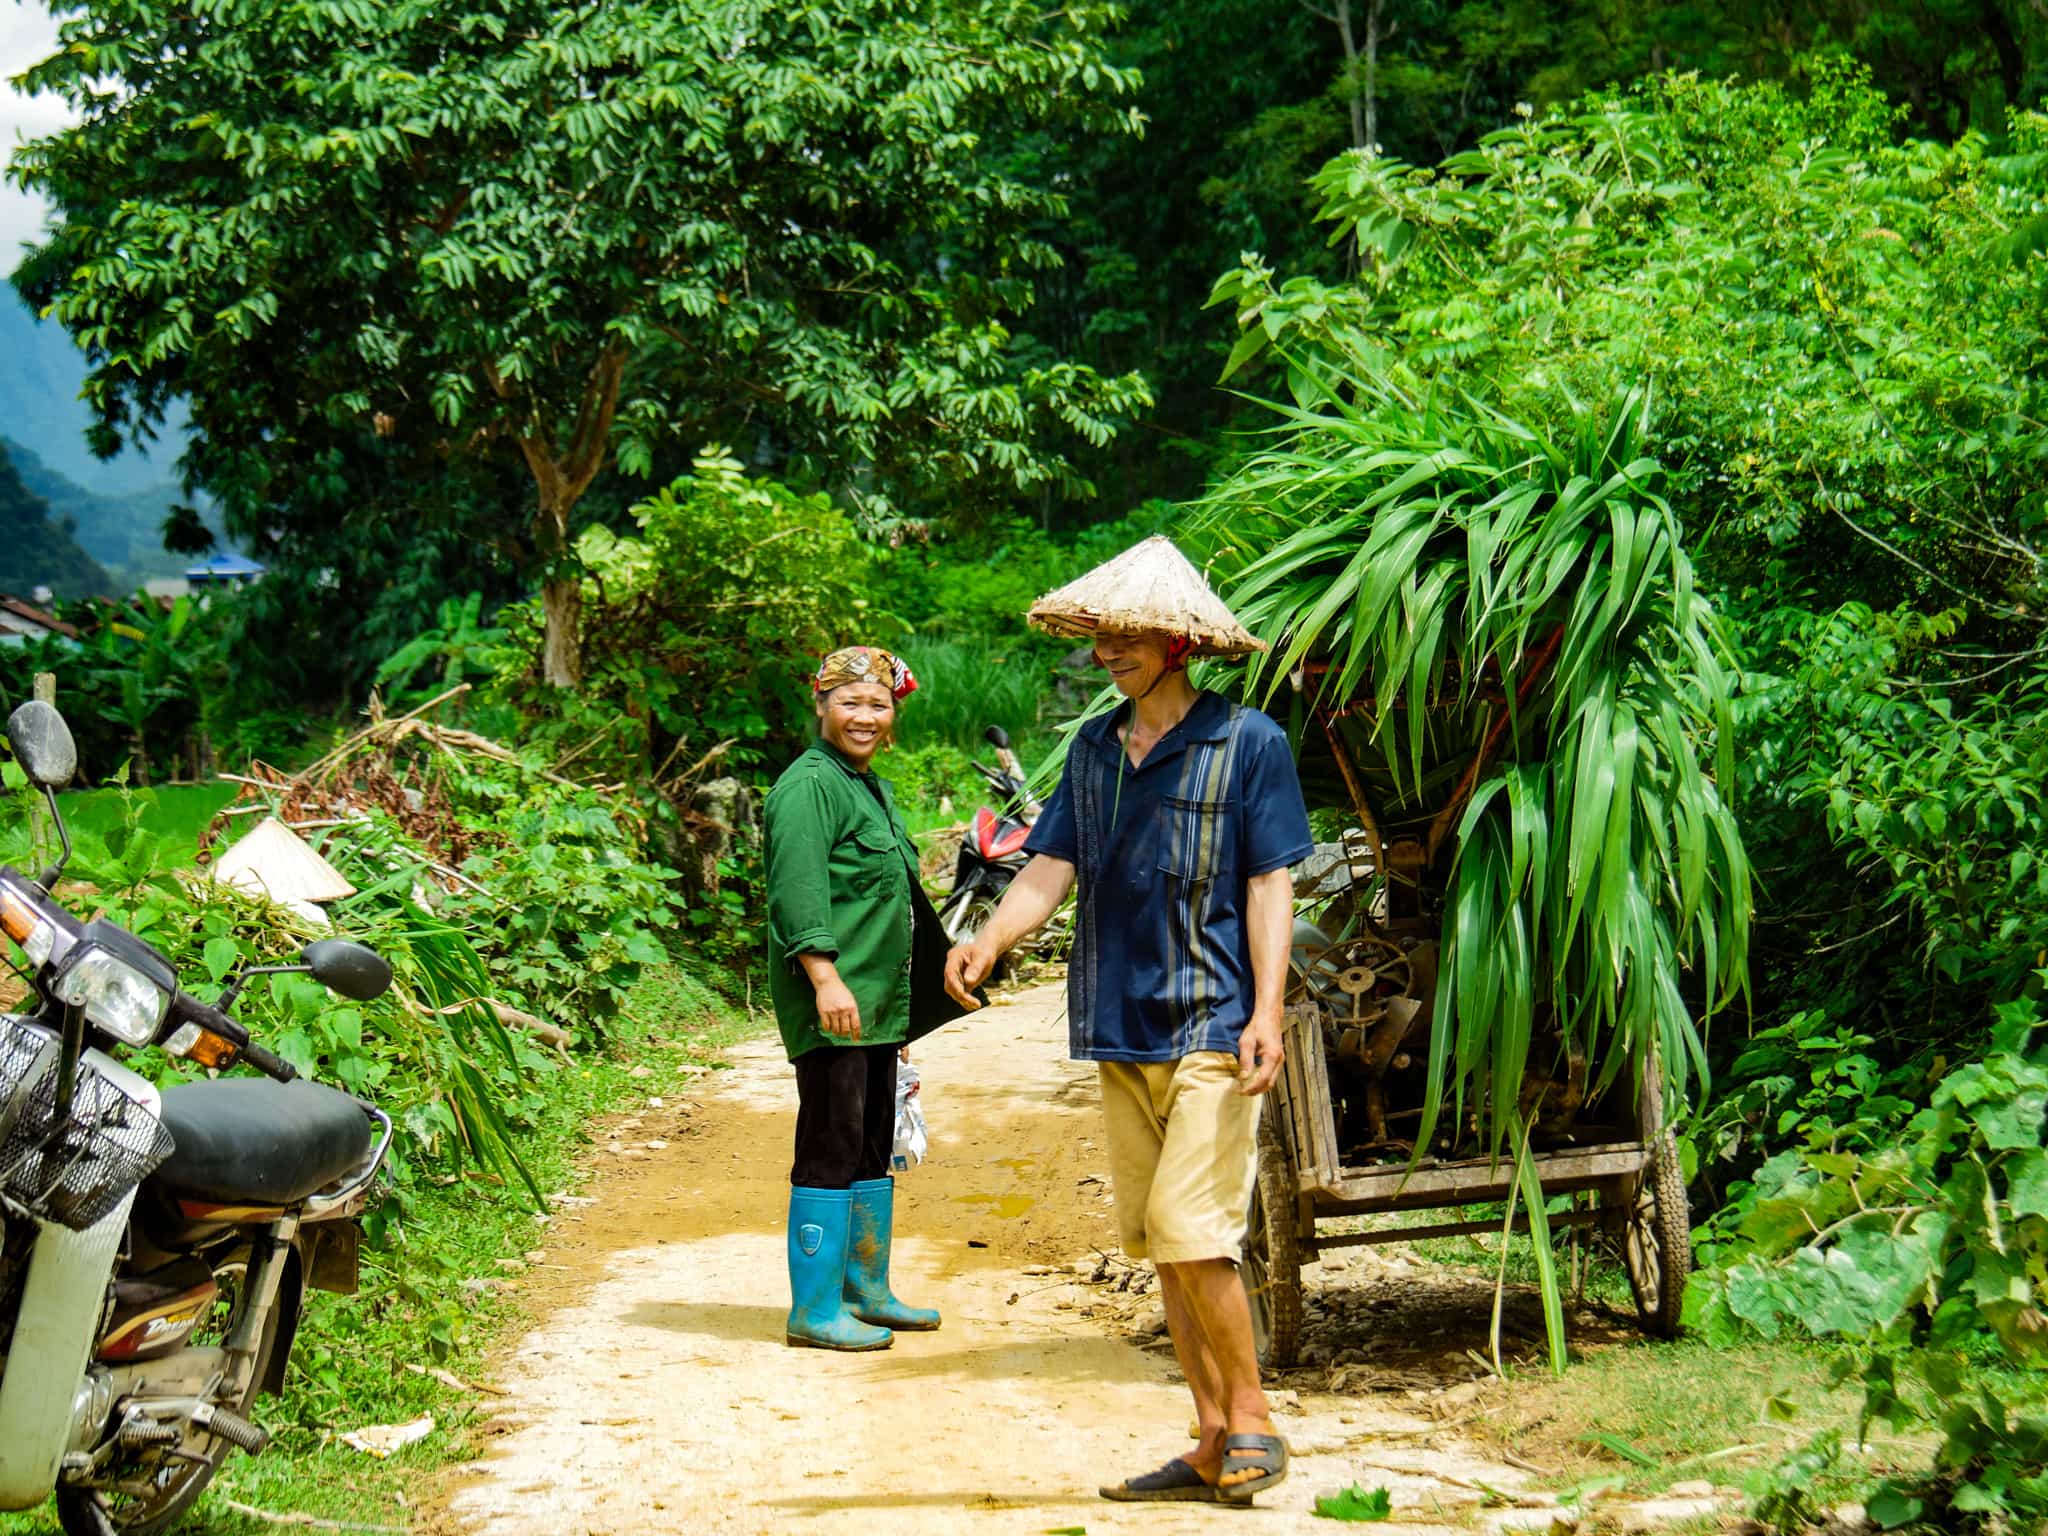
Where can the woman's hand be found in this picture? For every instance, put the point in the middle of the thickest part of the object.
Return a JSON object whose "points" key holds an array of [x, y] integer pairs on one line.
{"points": [[838, 1013]]}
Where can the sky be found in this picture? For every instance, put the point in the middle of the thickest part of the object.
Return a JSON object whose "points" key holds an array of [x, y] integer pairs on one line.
{"points": [[28, 34]]}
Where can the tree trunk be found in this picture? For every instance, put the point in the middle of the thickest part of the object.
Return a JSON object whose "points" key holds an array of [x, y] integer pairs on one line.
{"points": [[1372, 74], [2012, 63], [560, 479], [1361, 119], [561, 654], [561, 591]]}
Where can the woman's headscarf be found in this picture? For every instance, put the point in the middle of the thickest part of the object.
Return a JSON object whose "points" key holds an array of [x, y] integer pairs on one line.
{"points": [[864, 664]]}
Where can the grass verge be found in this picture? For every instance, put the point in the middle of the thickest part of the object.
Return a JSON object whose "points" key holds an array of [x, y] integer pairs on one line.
{"points": [[1649, 1414], [1635, 1417], [437, 1295]]}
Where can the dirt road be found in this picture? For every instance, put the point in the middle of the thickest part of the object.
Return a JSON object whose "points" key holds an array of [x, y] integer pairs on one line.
{"points": [[654, 1393]]}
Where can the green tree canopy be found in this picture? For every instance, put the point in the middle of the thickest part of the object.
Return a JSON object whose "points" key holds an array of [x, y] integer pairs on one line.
{"points": [[1843, 334], [1284, 87], [576, 239]]}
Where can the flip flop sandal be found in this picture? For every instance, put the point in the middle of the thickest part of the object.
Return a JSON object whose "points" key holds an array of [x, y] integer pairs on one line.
{"points": [[1264, 1454], [1174, 1483]]}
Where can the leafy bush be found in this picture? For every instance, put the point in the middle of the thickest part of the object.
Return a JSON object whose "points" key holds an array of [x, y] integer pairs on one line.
{"points": [[1922, 1251], [155, 688], [568, 911], [699, 632], [966, 686], [558, 916], [978, 582], [1902, 817]]}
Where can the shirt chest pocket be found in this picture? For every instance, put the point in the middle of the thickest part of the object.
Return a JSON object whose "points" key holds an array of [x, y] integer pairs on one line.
{"points": [[1197, 837], [873, 861]]}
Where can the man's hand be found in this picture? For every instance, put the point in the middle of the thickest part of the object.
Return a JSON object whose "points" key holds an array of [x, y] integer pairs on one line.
{"points": [[1259, 1054], [838, 1013], [967, 967], [1033, 896]]}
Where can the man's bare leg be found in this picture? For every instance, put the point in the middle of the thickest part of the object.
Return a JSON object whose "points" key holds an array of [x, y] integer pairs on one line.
{"points": [[1190, 1347], [1212, 1300]]}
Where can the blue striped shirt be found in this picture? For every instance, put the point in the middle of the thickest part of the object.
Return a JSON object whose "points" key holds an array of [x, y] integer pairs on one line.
{"points": [[1162, 965]]}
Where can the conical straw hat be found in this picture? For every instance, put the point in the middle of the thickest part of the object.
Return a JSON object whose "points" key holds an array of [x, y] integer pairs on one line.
{"points": [[1150, 586], [275, 861]]}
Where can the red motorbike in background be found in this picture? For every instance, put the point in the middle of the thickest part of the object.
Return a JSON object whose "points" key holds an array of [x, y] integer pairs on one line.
{"points": [[993, 850]]}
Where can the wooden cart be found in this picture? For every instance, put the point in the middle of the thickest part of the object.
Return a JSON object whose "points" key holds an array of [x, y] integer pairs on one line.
{"points": [[1637, 1197], [1359, 1018]]}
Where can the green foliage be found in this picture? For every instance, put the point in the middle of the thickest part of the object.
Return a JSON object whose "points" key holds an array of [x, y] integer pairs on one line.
{"points": [[1922, 1249], [1799, 1490], [978, 582], [1841, 335], [569, 911], [1426, 551], [562, 241], [459, 648], [154, 687], [1948, 791], [1773, 268], [1356, 1504], [1284, 88], [966, 686], [1905, 817], [703, 629], [560, 915], [923, 775]]}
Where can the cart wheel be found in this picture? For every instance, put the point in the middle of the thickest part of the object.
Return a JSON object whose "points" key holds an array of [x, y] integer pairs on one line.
{"points": [[1272, 1256], [1657, 1247]]}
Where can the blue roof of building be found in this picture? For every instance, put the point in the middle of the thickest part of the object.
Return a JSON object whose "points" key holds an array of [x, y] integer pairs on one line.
{"points": [[228, 567]]}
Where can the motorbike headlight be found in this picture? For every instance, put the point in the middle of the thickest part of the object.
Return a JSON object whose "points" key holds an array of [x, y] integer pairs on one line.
{"points": [[23, 924], [115, 996]]}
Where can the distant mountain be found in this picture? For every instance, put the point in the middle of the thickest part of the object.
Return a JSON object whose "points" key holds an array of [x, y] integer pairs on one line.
{"points": [[40, 374], [123, 532], [37, 550]]}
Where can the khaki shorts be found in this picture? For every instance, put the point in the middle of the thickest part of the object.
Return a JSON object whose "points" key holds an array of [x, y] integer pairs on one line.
{"points": [[1183, 1154]]}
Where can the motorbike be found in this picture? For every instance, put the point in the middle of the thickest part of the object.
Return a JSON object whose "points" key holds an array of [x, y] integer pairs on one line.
{"points": [[156, 1246], [993, 850]]}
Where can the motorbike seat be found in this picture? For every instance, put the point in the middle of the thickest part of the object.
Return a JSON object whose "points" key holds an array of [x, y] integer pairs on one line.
{"points": [[249, 1140]]}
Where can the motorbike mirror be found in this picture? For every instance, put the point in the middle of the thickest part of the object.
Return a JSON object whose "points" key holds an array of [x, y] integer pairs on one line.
{"points": [[350, 969], [42, 744], [996, 736]]}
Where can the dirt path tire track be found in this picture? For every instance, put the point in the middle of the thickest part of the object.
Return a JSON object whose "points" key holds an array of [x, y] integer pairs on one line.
{"points": [[654, 1393]]}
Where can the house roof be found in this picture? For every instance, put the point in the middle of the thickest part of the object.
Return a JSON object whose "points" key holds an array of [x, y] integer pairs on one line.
{"points": [[225, 567], [29, 612]]}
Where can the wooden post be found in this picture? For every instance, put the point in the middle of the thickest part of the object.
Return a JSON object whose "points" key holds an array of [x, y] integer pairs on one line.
{"points": [[41, 832]]}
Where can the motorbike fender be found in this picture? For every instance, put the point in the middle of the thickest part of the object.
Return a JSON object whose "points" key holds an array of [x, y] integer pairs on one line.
{"points": [[62, 1299], [968, 866], [330, 1250], [284, 1321]]}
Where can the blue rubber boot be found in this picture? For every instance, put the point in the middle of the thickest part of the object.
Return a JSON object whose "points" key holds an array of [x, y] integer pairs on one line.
{"points": [[817, 1272], [868, 1295]]}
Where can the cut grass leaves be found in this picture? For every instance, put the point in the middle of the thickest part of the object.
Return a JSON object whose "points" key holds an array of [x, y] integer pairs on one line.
{"points": [[1357, 1505]]}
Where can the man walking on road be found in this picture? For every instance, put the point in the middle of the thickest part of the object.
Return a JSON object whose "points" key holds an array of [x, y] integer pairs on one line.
{"points": [[1177, 816]]}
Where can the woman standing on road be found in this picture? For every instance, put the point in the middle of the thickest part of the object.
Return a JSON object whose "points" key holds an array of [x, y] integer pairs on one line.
{"points": [[842, 921]]}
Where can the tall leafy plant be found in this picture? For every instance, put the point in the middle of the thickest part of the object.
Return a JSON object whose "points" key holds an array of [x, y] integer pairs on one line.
{"points": [[1517, 608]]}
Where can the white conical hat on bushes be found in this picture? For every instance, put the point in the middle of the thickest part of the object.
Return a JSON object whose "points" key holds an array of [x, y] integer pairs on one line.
{"points": [[274, 861], [1150, 586]]}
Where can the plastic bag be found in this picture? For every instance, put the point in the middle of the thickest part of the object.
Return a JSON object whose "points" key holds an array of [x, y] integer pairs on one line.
{"points": [[910, 1134]]}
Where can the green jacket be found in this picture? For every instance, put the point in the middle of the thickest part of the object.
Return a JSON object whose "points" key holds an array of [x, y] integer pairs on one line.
{"points": [[841, 871]]}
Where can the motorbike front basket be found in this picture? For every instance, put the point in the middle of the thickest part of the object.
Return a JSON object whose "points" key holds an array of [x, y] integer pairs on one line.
{"points": [[74, 1169]]}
